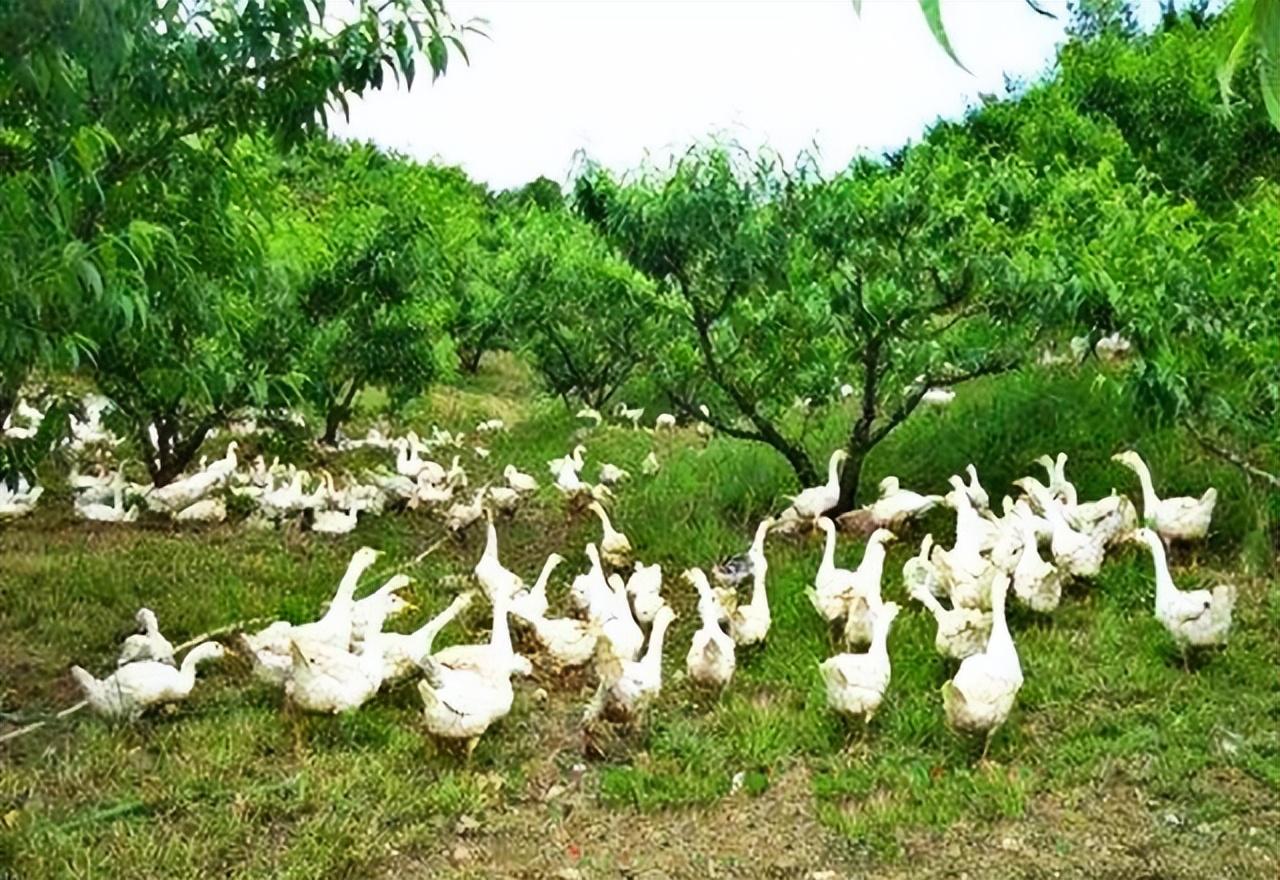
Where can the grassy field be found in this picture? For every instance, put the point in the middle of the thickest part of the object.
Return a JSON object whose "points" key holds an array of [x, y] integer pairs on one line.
{"points": [[1114, 761]]}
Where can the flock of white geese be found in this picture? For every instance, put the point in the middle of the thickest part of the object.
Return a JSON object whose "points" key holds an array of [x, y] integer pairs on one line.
{"points": [[619, 617]]}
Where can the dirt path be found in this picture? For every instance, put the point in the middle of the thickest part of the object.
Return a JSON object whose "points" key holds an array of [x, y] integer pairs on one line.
{"points": [[1113, 833]]}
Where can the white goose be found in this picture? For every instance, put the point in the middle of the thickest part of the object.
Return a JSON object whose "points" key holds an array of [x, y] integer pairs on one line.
{"points": [[1174, 519], [383, 603], [865, 602], [148, 644], [962, 632], [974, 490], [981, 695], [493, 576], [897, 505], [519, 480], [615, 547], [855, 683], [645, 588], [611, 474], [627, 687], [327, 679], [532, 603], [816, 501], [335, 522], [749, 624], [919, 572], [1037, 583], [463, 514], [135, 687], [114, 512], [832, 587], [271, 649], [402, 653], [711, 659], [494, 654], [462, 704], [1077, 554], [204, 510], [1196, 618]]}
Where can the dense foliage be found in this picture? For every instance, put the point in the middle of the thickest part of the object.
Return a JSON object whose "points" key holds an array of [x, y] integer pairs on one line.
{"points": [[176, 228]]}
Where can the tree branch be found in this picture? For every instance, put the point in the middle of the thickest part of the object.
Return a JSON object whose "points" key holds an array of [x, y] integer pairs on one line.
{"points": [[690, 411], [908, 406], [1234, 458]]}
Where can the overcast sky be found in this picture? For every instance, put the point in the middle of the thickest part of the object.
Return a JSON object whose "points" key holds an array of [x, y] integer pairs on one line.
{"points": [[626, 79]]}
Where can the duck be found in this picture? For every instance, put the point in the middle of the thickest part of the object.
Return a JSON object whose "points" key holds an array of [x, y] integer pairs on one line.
{"points": [[224, 467], [279, 500], [532, 603], [493, 576], [270, 647], [749, 624], [737, 570], [148, 644], [590, 586], [1195, 618], [627, 687], [136, 687], [711, 659], [494, 654], [855, 683], [1173, 519], [979, 698], [408, 462], [897, 505], [504, 499], [615, 547], [20, 502], [645, 588], [1077, 554], [977, 495], [402, 653], [114, 512], [962, 632], [383, 603], [461, 704], [864, 602], [463, 514], [204, 510], [938, 397], [611, 474], [573, 461], [1056, 471], [330, 680], [919, 572], [630, 414], [1036, 583], [816, 501], [519, 480]]}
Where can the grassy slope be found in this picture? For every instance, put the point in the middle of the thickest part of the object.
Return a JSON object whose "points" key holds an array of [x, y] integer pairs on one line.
{"points": [[226, 781]]}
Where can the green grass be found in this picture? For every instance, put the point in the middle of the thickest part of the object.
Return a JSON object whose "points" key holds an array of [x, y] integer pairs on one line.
{"points": [[227, 783]]}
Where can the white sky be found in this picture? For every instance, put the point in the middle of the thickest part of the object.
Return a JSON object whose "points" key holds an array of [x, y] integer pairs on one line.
{"points": [[626, 79]]}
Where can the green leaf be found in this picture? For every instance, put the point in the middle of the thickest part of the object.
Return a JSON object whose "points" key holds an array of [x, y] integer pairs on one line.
{"points": [[932, 10], [1266, 28]]}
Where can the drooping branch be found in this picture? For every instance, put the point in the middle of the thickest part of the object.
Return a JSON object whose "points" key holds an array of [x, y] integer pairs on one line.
{"points": [[1234, 458]]}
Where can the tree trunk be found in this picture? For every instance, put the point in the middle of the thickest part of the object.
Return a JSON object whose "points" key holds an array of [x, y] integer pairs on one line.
{"points": [[337, 414], [850, 477], [470, 360], [173, 456]]}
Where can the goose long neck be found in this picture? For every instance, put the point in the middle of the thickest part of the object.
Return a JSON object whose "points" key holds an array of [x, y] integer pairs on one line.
{"points": [[930, 601], [540, 585], [829, 552], [652, 660], [490, 542], [500, 638], [1164, 580], [347, 586], [833, 471], [873, 558], [1149, 499], [880, 639]]}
